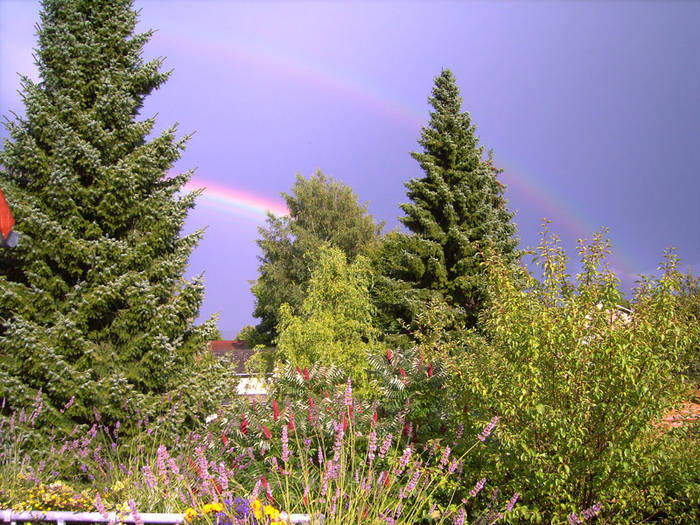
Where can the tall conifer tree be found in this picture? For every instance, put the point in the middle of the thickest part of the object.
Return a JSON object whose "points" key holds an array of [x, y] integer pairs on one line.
{"points": [[456, 210], [93, 304]]}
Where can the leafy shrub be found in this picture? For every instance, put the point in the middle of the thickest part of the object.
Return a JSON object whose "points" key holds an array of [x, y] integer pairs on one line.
{"points": [[576, 381]]}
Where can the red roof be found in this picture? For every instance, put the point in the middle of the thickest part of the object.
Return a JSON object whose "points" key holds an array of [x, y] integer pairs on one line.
{"points": [[235, 351]]}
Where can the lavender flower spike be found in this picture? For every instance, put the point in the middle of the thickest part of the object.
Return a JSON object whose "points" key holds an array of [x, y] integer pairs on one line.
{"points": [[347, 399], [477, 488], [511, 503], [487, 431], [591, 512], [385, 445], [459, 520], [574, 519]]}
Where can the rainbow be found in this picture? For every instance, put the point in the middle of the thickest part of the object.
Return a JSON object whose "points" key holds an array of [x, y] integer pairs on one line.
{"points": [[236, 202], [254, 207]]}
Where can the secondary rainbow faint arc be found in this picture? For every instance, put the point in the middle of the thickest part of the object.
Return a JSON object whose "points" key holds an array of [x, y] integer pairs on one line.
{"points": [[236, 202], [251, 206]]}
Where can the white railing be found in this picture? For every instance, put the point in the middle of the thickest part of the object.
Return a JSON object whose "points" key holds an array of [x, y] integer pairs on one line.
{"points": [[61, 517]]}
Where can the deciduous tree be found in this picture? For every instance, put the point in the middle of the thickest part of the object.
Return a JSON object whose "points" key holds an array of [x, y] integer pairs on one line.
{"points": [[321, 210]]}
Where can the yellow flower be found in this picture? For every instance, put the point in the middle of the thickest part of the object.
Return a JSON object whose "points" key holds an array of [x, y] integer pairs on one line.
{"points": [[190, 514], [272, 512]]}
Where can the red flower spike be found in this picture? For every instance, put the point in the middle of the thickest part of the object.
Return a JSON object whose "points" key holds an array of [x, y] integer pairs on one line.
{"points": [[311, 402], [275, 410], [266, 431], [325, 394], [350, 412], [244, 425], [406, 428], [299, 370], [291, 421], [386, 480], [403, 374], [345, 423], [224, 439], [430, 369], [306, 373], [375, 416], [388, 355], [194, 466]]}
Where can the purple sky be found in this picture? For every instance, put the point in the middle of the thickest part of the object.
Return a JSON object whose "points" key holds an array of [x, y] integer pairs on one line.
{"points": [[592, 108]]}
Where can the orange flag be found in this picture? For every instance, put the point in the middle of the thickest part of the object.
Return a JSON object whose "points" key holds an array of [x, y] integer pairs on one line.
{"points": [[7, 221]]}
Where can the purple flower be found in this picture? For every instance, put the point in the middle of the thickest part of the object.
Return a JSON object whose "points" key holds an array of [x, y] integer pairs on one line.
{"points": [[574, 519], [347, 398], [445, 455], [487, 431], [414, 480], [100, 506], [591, 512], [135, 513], [223, 478], [405, 457], [285, 444], [161, 457], [372, 445], [453, 466], [339, 435], [459, 520], [385, 445], [202, 463], [68, 405], [511, 503], [477, 488], [148, 475], [586, 515]]}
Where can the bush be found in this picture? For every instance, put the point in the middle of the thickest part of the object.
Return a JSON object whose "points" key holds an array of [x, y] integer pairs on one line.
{"points": [[576, 381]]}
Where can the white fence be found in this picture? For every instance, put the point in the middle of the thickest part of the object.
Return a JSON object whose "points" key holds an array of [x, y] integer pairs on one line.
{"points": [[62, 517]]}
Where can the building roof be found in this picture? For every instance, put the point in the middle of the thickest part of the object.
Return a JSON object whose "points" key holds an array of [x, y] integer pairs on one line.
{"points": [[235, 351]]}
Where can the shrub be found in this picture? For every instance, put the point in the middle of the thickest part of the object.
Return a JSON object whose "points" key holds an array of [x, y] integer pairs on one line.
{"points": [[576, 381]]}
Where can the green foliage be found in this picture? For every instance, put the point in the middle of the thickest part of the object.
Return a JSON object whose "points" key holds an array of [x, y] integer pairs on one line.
{"points": [[92, 300], [251, 336], [689, 299], [456, 210], [321, 211], [334, 325], [576, 382]]}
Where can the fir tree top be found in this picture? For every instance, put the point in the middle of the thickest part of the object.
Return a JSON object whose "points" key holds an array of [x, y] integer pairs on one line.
{"points": [[457, 208]]}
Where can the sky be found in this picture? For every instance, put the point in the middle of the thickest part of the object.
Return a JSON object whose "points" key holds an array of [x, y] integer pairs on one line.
{"points": [[591, 108]]}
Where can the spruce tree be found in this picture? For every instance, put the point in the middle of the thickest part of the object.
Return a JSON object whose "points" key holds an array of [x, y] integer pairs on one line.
{"points": [[93, 305], [456, 212]]}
